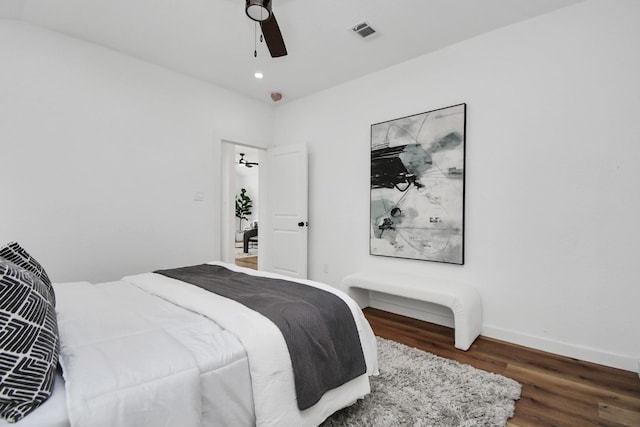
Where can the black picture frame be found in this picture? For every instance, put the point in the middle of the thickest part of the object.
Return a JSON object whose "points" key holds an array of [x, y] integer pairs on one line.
{"points": [[417, 188]]}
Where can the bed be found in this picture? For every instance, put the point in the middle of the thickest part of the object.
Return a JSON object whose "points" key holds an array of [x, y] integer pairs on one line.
{"points": [[153, 350]]}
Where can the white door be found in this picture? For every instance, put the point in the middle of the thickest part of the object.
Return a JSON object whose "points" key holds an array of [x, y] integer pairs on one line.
{"points": [[285, 222]]}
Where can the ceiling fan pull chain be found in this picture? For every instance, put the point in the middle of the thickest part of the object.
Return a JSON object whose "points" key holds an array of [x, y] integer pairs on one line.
{"points": [[255, 36], [261, 19]]}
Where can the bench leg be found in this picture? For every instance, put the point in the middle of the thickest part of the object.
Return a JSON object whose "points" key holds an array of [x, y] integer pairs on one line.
{"points": [[361, 296], [468, 325]]}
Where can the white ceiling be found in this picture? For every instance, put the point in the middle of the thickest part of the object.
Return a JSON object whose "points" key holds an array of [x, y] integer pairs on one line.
{"points": [[213, 40]]}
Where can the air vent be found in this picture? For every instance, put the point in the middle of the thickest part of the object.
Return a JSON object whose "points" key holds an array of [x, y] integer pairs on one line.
{"points": [[364, 30]]}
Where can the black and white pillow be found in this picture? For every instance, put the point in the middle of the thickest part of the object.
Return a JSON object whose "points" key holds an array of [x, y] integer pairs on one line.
{"points": [[19, 256], [28, 342]]}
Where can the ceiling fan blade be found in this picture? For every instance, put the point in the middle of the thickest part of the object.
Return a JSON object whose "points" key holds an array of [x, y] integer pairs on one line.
{"points": [[273, 37]]}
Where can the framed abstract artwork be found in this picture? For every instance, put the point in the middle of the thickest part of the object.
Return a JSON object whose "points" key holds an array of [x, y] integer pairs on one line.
{"points": [[417, 186]]}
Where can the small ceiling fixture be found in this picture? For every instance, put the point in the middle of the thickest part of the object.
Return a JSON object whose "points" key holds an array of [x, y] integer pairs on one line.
{"points": [[276, 96], [242, 161], [258, 75], [363, 29]]}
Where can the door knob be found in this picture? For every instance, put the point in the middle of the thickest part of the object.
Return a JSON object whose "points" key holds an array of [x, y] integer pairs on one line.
{"points": [[303, 224]]}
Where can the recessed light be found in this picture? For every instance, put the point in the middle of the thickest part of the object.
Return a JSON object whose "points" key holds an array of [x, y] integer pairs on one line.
{"points": [[258, 75]]}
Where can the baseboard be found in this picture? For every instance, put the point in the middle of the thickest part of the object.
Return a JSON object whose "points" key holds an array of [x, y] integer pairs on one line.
{"points": [[441, 315], [587, 354]]}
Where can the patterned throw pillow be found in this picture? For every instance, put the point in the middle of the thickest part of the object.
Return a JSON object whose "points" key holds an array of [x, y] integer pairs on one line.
{"points": [[18, 255], [28, 342]]}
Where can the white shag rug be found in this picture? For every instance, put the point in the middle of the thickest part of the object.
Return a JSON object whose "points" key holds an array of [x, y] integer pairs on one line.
{"points": [[416, 388]]}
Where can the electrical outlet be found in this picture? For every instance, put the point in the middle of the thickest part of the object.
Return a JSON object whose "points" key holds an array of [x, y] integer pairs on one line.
{"points": [[198, 196]]}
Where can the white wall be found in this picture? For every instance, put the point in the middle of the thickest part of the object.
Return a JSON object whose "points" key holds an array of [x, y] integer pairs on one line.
{"points": [[102, 154], [552, 179], [11, 9]]}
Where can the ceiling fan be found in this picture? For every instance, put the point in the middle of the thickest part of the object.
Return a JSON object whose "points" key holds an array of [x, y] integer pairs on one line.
{"points": [[260, 11], [242, 161]]}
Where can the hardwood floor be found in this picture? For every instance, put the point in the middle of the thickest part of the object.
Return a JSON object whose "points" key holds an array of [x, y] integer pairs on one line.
{"points": [[248, 261], [556, 390]]}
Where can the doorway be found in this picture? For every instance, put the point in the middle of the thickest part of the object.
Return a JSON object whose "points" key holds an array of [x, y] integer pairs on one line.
{"points": [[240, 204], [282, 238], [247, 205]]}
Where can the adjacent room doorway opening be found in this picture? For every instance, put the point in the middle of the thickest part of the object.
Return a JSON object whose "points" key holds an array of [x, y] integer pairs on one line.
{"points": [[241, 187], [246, 206]]}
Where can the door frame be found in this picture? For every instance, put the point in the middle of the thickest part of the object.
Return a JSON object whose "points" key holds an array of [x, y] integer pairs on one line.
{"points": [[227, 198]]}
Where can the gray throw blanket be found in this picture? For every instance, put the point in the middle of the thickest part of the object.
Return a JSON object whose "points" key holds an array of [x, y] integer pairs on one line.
{"points": [[317, 326]]}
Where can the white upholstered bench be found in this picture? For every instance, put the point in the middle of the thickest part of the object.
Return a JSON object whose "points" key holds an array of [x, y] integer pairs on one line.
{"points": [[461, 298]]}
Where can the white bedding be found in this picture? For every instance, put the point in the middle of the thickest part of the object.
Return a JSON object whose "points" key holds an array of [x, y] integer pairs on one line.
{"points": [[148, 365], [223, 363], [174, 354], [271, 373]]}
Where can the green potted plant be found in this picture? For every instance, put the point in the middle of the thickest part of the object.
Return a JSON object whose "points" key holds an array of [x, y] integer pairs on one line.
{"points": [[243, 208]]}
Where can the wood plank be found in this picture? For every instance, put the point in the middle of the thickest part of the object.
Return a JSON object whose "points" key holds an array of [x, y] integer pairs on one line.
{"points": [[249, 262], [574, 389], [556, 390], [619, 415]]}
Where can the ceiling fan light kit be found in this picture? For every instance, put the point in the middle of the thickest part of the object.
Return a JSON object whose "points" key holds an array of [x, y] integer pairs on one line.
{"points": [[258, 10]]}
